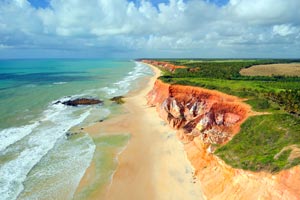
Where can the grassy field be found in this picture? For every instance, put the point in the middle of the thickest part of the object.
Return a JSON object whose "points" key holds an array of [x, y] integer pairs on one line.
{"points": [[262, 138], [292, 69], [235, 87]]}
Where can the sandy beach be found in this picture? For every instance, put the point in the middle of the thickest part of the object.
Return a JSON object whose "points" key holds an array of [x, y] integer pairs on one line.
{"points": [[153, 165]]}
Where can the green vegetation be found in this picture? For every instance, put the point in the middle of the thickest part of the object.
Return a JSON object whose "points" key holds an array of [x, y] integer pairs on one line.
{"points": [[118, 99], [261, 137], [288, 99], [259, 104], [223, 75]]}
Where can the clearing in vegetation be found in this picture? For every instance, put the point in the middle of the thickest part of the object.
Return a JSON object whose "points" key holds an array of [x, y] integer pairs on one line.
{"points": [[292, 69]]}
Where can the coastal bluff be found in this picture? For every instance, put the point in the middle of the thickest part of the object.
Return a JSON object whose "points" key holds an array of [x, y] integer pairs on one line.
{"points": [[206, 119]]}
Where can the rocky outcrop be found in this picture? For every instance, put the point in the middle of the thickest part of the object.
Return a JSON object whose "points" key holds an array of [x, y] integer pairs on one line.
{"points": [[206, 119], [118, 99], [81, 101]]}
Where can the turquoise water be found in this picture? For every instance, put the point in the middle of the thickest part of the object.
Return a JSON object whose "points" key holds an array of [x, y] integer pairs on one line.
{"points": [[34, 149]]}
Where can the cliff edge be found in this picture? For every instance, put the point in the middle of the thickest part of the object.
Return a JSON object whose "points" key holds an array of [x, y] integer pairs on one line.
{"points": [[205, 120]]}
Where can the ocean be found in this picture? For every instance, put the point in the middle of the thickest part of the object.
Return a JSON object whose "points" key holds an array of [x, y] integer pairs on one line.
{"points": [[37, 159]]}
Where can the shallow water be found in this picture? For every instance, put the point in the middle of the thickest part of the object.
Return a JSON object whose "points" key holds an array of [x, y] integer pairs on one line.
{"points": [[107, 150], [37, 160]]}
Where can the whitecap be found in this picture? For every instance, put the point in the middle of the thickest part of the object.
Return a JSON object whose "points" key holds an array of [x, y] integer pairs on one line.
{"points": [[123, 86], [37, 140], [59, 83], [11, 135], [62, 170]]}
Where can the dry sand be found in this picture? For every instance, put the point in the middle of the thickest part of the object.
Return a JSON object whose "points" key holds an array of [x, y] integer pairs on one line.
{"points": [[154, 164]]}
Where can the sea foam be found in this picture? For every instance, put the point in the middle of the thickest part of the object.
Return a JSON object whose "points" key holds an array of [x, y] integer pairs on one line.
{"points": [[63, 170], [29, 144], [11, 135], [125, 85]]}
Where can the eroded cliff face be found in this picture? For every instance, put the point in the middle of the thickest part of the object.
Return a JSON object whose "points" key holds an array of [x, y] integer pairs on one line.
{"points": [[209, 115], [162, 64], [206, 118]]}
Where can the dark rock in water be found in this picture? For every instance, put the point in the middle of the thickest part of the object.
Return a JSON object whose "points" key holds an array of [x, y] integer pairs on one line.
{"points": [[69, 134], [57, 102], [82, 101], [118, 99], [101, 120]]}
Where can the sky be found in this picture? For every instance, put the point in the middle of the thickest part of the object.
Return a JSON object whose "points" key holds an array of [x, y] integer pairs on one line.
{"points": [[149, 29]]}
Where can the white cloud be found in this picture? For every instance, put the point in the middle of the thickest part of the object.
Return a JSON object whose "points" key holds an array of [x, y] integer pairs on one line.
{"points": [[285, 29], [178, 27], [2, 46], [266, 11]]}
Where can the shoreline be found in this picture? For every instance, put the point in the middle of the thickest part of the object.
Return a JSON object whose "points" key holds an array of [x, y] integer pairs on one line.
{"points": [[218, 179], [144, 170]]}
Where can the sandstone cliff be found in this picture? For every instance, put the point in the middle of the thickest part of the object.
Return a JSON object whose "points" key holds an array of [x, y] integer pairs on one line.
{"points": [[164, 65], [205, 119]]}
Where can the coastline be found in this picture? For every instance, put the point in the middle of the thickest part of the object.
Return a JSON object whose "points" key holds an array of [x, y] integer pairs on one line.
{"points": [[218, 180], [153, 165]]}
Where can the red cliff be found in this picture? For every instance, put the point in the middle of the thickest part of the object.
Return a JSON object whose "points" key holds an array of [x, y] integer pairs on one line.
{"points": [[162, 64], [206, 118]]}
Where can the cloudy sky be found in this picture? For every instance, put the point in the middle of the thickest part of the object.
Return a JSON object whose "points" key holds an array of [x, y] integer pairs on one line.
{"points": [[149, 28]]}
